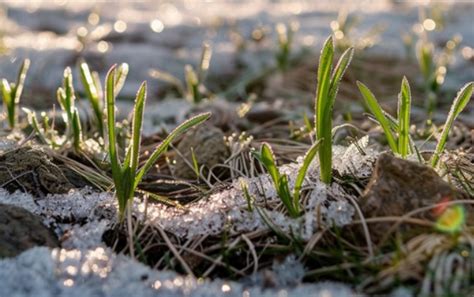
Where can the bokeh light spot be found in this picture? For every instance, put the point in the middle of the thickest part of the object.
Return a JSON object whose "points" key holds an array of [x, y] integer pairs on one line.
{"points": [[452, 219]]}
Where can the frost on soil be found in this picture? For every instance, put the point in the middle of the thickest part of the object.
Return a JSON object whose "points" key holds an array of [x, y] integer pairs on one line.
{"points": [[89, 268], [93, 212]]}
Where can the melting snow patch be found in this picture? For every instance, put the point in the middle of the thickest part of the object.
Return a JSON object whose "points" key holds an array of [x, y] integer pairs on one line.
{"points": [[41, 272], [83, 215], [356, 160], [226, 209], [88, 268]]}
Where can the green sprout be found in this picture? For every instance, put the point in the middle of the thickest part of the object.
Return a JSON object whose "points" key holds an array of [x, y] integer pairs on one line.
{"points": [[127, 175], [392, 127], [66, 99], [93, 89], [43, 131], [459, 103], [434, 64], [404, 108], [328, 85], [343, 28], [290, 200], [285, 39], [193, 88], [46, 133], [11, 93]]}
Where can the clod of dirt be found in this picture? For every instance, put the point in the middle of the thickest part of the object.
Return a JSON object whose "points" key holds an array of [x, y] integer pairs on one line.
{"points": [[398, 187], [21, 230], [31, 170], [209, 149]]}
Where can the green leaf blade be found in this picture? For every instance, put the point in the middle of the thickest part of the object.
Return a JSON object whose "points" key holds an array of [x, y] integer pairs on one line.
{"points": [[268, 159], [137, 125], [324, 82], [20, 81], [120, 77], [194, 121], [110, 97], [8, 101], [459, 103], [323, 105], [339, 71], [310, 154], [92, 93], [404, 107], [377, 111]]}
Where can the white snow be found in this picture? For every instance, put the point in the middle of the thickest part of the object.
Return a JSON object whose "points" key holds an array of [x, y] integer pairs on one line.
{"points": [[41, 272]]}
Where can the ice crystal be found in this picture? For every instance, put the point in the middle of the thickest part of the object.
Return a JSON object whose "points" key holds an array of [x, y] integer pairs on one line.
{"points": [[339, 213], [290, 272], [356, 160]]}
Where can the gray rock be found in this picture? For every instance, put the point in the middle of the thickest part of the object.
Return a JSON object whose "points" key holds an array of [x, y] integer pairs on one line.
{"points": [[398, 186], [21, 230]]}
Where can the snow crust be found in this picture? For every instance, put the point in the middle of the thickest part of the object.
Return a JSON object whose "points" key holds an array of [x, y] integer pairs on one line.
{"points": [[41, 272]]}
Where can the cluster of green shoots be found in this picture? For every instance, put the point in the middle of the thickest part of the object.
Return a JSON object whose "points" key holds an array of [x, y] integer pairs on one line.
{"points": [[127, 174], [326, 91], [328, 84], [66, 97], [396, 130], [11, 93], [390, 126], [403, 145], [291, 199], [285, 35]]}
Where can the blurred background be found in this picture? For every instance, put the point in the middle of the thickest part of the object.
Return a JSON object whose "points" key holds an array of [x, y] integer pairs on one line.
{"points": [[161, 37]]}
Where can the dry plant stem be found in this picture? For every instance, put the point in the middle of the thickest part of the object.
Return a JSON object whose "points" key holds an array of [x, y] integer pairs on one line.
{"points": [[175, 252], [131, 244], [232, 169], [219, 259], [210, 176], [312, 243], [417, 211], [364, 226], [432, 247], [215, 262], [412, 221], [253, 252], [186, 161]]}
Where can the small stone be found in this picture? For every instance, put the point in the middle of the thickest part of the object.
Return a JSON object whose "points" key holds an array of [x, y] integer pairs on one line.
{"points": [[209, 149], [21, 230], [398, 187]]}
